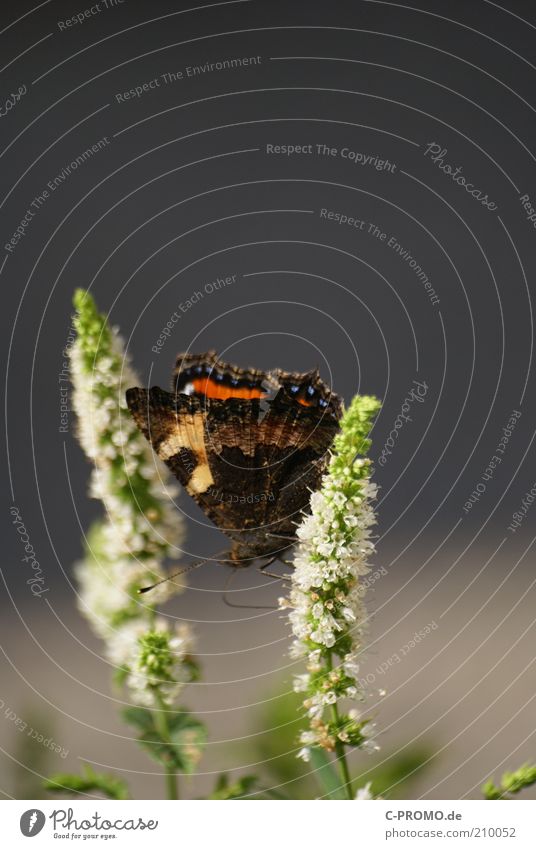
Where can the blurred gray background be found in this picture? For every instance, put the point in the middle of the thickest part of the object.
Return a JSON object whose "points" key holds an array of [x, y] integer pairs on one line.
{"points": [[183, 192]]}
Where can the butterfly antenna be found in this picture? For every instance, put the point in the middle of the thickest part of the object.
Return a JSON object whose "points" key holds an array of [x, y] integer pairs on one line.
{"points": [[183, 571]]}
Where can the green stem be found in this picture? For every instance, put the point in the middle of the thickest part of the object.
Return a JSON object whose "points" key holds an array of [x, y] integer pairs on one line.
{"points": [[171, 783], [161, 723], [340, 750], [341, 758]]}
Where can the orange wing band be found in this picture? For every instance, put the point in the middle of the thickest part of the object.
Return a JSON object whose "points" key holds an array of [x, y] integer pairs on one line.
{"points": [[211, 389]]}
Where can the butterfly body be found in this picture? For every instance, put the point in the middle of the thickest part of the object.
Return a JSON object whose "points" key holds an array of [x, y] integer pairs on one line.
{"points": [[248, 446]]}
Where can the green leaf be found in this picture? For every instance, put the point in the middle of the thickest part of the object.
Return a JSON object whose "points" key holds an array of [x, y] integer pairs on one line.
{"points": [[181, 745], [139, 717], [511, 782], [490, 791], [237, 790], [90, 781], [326, 775], [188, 736], [355, 425], [120, 676]]}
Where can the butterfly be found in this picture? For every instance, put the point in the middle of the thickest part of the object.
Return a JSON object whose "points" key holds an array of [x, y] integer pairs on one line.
{"points": [[248, 446]]}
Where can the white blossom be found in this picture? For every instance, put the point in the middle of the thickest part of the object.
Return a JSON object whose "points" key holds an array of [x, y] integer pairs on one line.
{"points": [[153, 658], [127, 477], [364, 792], [108, 590], [125, 551], [327, 614]]}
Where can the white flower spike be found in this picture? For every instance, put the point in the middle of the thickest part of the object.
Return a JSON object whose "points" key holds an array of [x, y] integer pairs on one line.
{"points": [[125, 551], [327, 613]]}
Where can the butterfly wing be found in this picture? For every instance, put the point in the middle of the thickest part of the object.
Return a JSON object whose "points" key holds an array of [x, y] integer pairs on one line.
{"points": [[209, 447], [249, 447]]}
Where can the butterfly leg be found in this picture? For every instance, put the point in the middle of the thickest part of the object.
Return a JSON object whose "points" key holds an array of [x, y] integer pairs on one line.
{"points": [[262, 569], [243, 606], [291, 538]]}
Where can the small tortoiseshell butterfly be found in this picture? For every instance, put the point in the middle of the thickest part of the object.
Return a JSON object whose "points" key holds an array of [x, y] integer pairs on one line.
{"points": [[249, 446]]}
